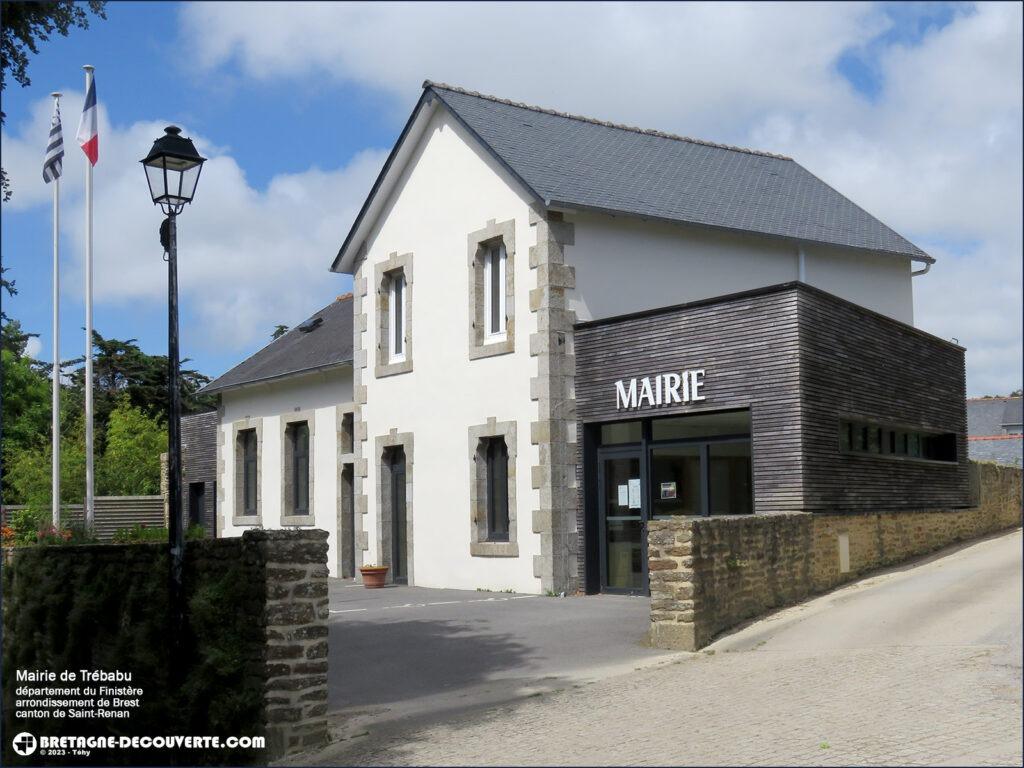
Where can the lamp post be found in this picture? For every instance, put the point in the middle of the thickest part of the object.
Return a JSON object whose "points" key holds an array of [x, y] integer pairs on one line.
{"points": [[172, 169]]}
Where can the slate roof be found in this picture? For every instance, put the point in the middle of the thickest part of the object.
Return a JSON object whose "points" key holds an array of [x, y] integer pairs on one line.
{"points": [[988, 438], [577, 162], [987, 416], [327, 345]]}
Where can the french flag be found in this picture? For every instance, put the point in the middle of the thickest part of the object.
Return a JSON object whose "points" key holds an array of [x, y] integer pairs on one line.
{"points": [[88, 133]]}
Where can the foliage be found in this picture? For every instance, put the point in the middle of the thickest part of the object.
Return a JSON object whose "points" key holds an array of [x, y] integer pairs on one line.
{"points": [[50, 535], [130, 465], [130, 417], [24, 524], [13, 339], [122, 369], [22, 27], [27, 472], [26, 403], [142, 533], [105, 607], [279, 331]]}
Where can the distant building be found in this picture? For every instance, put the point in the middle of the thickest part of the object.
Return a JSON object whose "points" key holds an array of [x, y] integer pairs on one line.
{"points": [[994, 429], [281, 438]]}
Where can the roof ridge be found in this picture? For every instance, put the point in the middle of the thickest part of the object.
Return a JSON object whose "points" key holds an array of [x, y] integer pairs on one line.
{"points": [[605, 123]]}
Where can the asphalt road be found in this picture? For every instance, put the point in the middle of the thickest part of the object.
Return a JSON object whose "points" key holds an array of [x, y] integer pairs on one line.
{"points": [[918, 665], [402, 653]]}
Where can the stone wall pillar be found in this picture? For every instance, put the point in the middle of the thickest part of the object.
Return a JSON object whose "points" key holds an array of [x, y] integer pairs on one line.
{"points": [[296, 613], [670, 564], [554, 431]]}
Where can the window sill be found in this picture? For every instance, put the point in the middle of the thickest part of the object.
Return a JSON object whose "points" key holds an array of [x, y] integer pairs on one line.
{"points": [[491, 348], [255, 521], [494, 549], [298, 520], [392, 369]]}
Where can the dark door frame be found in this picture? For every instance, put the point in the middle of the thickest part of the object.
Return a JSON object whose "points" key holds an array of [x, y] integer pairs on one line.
{"points": [[595, 542], [631, 451], [398, 482]]}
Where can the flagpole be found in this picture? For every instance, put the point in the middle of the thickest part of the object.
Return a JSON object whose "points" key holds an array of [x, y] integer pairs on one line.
{"points": [[89, 485], [55, 480]]}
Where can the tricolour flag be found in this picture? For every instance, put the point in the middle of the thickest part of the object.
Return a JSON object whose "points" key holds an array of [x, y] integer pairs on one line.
{"points": [[88, 134], [54, 149]]}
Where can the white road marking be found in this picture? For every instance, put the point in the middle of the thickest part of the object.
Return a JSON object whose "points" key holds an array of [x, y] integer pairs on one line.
{"points": [[439, 602]]}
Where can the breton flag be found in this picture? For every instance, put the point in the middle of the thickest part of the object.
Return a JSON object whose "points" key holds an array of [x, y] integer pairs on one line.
{"points": [[55, 148], [88, 134]]}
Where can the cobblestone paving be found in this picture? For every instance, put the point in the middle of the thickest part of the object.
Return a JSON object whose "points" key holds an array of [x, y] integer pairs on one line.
{"points": [[896, 706]]}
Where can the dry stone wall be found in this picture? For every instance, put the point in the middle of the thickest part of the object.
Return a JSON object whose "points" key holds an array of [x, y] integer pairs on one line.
{"points": [[709, 574]]}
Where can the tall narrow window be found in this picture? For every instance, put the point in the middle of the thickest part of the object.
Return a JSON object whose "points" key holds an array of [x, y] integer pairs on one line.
{"points": [[494, 292], [396, 310], [249, 458], [497, 489], [297, 435]]}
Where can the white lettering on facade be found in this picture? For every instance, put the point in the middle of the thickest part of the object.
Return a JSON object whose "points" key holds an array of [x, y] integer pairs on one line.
{"points": [[665, 389], [625, 398]]}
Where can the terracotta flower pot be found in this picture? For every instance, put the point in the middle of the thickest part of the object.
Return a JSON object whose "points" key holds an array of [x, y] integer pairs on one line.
{"points": [[373, 575]]}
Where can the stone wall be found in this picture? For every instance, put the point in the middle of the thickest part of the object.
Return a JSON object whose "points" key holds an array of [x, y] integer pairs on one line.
{"points": [[254, 650], [710, 574]]}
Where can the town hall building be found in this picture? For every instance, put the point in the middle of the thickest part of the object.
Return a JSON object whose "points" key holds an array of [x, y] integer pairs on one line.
{"points": [[562, 329]]}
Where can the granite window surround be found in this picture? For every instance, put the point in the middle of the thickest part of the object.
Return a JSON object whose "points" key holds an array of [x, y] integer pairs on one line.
{"points": [[238, 516], [288, 518], [479, 545], [479, 244], [384, 273]]}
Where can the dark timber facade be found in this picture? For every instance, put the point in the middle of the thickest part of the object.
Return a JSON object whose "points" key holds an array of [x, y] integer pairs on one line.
{"points": [[199, 476], [809, 404]]}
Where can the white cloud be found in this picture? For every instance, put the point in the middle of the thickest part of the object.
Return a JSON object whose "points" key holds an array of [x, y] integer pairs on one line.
{"points": [[248, 258], [33, 346], [937, 155]]}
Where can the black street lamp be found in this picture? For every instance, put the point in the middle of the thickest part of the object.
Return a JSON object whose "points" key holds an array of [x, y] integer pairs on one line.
{"points": [[172, 169]]}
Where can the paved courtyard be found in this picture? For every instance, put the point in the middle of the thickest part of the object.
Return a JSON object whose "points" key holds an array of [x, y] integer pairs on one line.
{"points": [[920, 665], [402, 653]]}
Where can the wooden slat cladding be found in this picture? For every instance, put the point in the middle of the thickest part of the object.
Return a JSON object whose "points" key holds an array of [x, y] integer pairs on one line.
{"points": [[800, 359], [855, 363], [749, 346], [199, 463]]}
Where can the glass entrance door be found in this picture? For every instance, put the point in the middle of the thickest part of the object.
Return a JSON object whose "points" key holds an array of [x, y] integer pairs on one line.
{"points": [[623, 545]]}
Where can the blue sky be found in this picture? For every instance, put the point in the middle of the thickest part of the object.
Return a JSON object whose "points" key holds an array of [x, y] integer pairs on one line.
{"points": [[912, 110]]}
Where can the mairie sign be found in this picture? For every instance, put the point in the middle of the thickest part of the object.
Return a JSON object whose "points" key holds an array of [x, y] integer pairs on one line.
{"points": [[663, 389]]}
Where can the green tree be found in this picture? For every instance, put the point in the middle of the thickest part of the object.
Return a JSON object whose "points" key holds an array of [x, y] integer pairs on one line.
{"points": [[279, 331], [22, 27], [122, 369], [26, 404], [130, 466], [28, 473]]}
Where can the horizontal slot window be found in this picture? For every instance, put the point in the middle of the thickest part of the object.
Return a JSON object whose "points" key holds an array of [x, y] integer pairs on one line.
{"points": [[888, 440]]}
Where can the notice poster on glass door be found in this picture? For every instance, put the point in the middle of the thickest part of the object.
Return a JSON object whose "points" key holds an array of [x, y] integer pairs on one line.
{"points": [[623, 495], [634, 493]]}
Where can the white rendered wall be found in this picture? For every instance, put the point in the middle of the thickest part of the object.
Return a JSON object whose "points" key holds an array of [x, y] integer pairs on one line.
{"points": [[447, 192], [626, 265], [317, 393]]}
